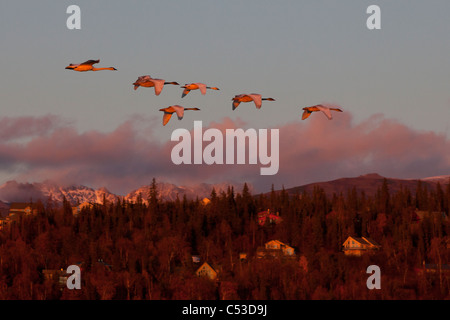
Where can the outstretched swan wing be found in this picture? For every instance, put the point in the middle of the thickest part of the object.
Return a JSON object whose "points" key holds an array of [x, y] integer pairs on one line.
{"points": [[326, 111], [306, 114], [185, 92], [256, 99], [180, 111], [202, 87], [90, 62], [159, 84], [166, 117]]}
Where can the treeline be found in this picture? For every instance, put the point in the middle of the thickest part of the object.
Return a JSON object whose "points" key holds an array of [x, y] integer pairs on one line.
{"points": [[143, 250]]}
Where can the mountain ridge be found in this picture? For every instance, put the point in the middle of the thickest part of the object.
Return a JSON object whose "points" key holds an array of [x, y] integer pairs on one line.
{"points": [[13, 191], [369, 184]]}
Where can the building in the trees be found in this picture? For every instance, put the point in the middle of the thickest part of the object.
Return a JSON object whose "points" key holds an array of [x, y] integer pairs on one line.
{"points": [[21, 208], [58, 276], [354, 246], [275, 249], [205, 201], [196, 258], [269, 217], [206, 270]]}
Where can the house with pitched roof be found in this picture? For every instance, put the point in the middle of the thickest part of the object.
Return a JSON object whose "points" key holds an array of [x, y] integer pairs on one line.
{"points": [[355, 246], [269, 217], [59, 276], [275, 249], [208, 271]]}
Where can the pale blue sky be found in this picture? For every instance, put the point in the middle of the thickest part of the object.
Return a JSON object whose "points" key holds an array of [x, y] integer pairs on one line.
{"points": [[299, 52]]}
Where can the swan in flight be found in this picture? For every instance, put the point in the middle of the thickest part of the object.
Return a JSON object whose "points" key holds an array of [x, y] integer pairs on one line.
{"points": [[147, 81], [256, 98], [87, 66], [326, 111], [194, 86], [179, 110]]}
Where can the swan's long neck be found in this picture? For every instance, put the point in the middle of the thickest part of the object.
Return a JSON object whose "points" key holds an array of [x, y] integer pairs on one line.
{"points": [[98, 69]]}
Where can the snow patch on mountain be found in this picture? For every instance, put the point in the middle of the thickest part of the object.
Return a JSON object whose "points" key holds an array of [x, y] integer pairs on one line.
{"points": [[170, 192], [441, 179], [13, 191]]}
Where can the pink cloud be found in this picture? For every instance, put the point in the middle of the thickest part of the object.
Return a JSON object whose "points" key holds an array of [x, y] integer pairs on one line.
{"points": [[321, 149], [22, 127], [128, 157]]}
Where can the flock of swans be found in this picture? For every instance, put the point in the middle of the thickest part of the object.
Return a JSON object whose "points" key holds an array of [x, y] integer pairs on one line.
{"points": [[158, 84]]}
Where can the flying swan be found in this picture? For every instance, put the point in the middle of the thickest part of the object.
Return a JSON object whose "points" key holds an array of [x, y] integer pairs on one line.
{"points": [[326, 111], [147, 81], [256, 98], [179, 110], [194, 86], [87, 66]]}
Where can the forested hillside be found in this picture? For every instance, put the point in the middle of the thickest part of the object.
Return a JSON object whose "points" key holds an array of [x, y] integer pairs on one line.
{"points": [[144, 251]]}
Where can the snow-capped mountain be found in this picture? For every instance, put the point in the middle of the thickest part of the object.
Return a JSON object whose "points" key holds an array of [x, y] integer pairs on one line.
{"points": [[13, 191], [168, 191]]}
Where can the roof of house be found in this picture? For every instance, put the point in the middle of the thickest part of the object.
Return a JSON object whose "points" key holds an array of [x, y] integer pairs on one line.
{"points": [[264, 215], [206, 265], [267, 213], [365, 241], [277, 241], [281, 244]]}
